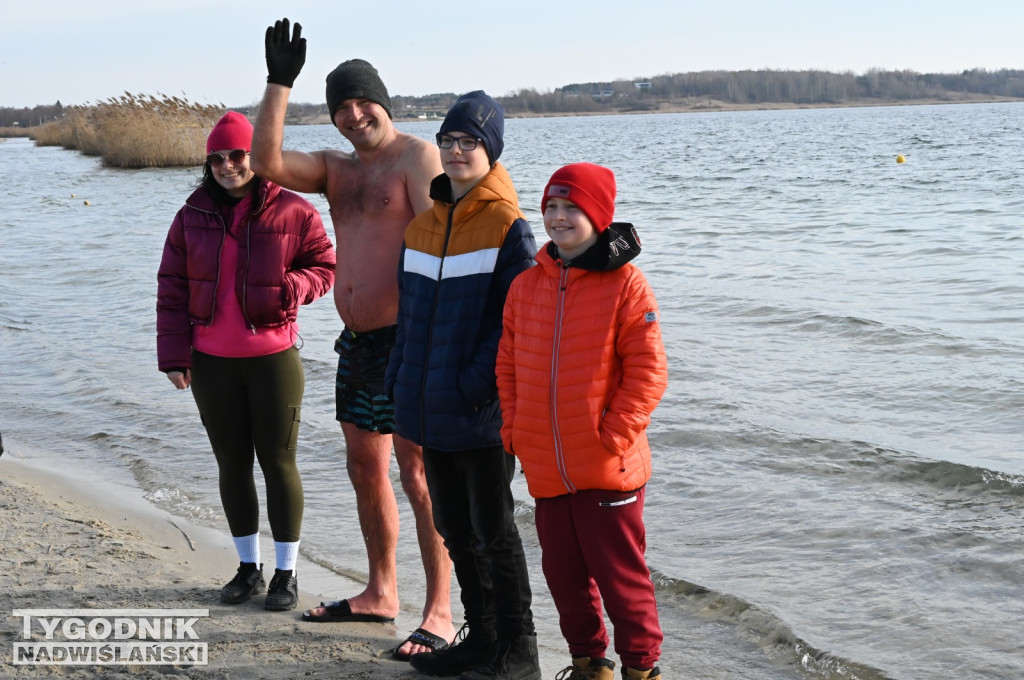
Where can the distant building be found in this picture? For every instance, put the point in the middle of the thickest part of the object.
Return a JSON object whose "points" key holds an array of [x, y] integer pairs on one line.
{"points": [[642, 86]]}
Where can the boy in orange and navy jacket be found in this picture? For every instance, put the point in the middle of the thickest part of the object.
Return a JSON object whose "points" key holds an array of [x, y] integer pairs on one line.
{"points": [[457, 263], [581, 367]]}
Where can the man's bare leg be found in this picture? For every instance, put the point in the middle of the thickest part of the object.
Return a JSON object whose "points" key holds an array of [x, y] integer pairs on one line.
{"points": [[368, 459], [437, 610]]}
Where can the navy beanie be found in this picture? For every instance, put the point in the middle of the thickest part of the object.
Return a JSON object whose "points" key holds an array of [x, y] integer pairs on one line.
{"points": [[356, 79], [477, 113]]}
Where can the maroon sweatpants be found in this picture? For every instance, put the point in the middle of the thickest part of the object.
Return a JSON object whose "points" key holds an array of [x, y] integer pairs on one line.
{"points": [[593, 545]]}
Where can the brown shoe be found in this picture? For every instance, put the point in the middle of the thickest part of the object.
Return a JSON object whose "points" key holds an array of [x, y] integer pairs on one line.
{"points": [[586, 668]]}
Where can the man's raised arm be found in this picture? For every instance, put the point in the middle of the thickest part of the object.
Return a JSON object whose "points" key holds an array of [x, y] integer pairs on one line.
{"points": [[294, 170]]}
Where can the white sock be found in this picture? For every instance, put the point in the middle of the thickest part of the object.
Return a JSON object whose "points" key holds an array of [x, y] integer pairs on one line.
{"points": [[248, 548], [287, 555]]}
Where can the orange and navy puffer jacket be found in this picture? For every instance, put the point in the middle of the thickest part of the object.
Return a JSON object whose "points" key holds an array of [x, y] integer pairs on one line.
{"points": [[457, 264], [581, 367]]}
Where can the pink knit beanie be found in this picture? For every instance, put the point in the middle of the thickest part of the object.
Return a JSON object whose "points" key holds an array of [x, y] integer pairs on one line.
{"points": [[591, 187], [232, 131]]}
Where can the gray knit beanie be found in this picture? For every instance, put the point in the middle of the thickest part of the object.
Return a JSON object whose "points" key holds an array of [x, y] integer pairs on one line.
{"points": [[356, 79]]}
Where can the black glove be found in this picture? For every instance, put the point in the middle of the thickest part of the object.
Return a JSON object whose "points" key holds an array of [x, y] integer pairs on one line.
{"points": [[284, 57]]}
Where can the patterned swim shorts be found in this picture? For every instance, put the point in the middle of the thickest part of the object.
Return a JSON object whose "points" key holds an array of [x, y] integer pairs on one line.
{"points": [[359, 393]]}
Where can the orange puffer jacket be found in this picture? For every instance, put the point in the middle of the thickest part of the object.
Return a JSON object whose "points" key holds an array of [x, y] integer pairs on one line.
{"points": [[581, 367]]}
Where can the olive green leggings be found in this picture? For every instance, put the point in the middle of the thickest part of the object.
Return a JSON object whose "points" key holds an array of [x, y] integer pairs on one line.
{"points": [[252, 406]]}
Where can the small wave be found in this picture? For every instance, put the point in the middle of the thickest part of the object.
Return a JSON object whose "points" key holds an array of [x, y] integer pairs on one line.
{"points": [[10, 323], [872, 332], [174, 499], [180, 503], [917, 139], [351, 574], [767, 631], [948, 475], [969, 483], [862, 461]]}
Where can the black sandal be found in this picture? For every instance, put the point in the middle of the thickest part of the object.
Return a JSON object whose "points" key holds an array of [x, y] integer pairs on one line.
{"points": [[423, 637], [340, 611]]}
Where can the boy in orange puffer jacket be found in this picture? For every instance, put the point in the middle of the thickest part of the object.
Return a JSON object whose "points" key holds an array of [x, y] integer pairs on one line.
{"points": [[581, 367]]}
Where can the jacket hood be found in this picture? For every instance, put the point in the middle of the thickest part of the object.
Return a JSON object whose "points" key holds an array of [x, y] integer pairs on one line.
{"points": [[496, 185], [615, 246], [441, 189]]}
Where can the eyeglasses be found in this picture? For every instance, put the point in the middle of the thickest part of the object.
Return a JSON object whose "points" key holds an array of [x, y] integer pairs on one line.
{"points": [[217, 159], [465, 143]]}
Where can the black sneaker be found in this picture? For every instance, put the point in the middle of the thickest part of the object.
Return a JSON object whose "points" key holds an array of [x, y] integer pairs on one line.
{"points": [[246, 583], [515, 659], [637, 674], [283, 592], [472, 648]]}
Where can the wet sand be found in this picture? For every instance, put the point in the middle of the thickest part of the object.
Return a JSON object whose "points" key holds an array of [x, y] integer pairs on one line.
{"points": [[105, 547]]}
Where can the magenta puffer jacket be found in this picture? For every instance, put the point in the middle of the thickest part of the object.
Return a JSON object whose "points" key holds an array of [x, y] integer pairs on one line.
{"points": [[285, 260]]}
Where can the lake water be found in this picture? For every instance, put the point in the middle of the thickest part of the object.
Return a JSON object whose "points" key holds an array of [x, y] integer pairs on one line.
{"points": [[839, 485]]}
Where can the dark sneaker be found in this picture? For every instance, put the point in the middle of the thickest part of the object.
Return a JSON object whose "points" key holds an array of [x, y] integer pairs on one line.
{"points": [[514, 659], [471, 649], [246, 583], [283, 592], [586, 668], [637, 674]]}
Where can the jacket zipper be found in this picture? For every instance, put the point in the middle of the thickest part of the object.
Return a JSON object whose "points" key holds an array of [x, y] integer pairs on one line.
{"points": [[563, 279], [245, 277], [430, 328], [248, 261], [220, 251]]}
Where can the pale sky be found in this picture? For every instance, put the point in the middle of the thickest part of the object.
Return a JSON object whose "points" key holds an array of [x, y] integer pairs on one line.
{"points": [[82, 52]]}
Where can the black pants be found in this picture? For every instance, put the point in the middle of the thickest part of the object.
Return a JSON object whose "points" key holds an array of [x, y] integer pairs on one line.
{"points": [[251, 409], [474, 514]]}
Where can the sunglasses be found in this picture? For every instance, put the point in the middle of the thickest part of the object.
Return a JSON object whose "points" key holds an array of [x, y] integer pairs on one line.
{"points": [[217, 159], [465, 143]]}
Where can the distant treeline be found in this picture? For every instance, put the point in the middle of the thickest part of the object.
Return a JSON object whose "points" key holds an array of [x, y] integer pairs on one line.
{"points": [[802, 88], [27, 117], [753, 88]]}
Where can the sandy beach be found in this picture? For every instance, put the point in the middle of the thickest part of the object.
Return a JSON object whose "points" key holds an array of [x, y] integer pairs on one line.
{"points": [[105, 547]]}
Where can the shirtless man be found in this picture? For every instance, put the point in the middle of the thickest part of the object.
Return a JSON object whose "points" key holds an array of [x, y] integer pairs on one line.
{"points": [[373, 193]]}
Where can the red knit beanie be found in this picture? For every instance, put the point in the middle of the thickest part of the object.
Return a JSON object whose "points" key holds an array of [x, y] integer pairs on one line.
{"points": [[591, 187], [232, 131]]}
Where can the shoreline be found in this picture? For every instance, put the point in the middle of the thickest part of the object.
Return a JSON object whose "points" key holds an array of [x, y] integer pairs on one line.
{"points": [[701, 105], [69, 545], [696, 105]]}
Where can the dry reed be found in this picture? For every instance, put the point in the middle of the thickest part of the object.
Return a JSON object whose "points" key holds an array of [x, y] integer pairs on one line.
{"points": [[135, 131]]}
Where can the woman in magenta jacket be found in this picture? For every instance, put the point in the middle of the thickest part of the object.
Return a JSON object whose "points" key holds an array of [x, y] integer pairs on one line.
{"points": [[242, 254]]}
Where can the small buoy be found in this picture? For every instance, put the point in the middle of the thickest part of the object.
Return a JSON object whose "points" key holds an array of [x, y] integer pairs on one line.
{"points": [[72, 195], [87, 202], [900, 158]]}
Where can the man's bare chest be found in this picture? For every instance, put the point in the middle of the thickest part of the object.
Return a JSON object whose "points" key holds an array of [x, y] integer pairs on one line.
{"points": [[370, 196]]}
